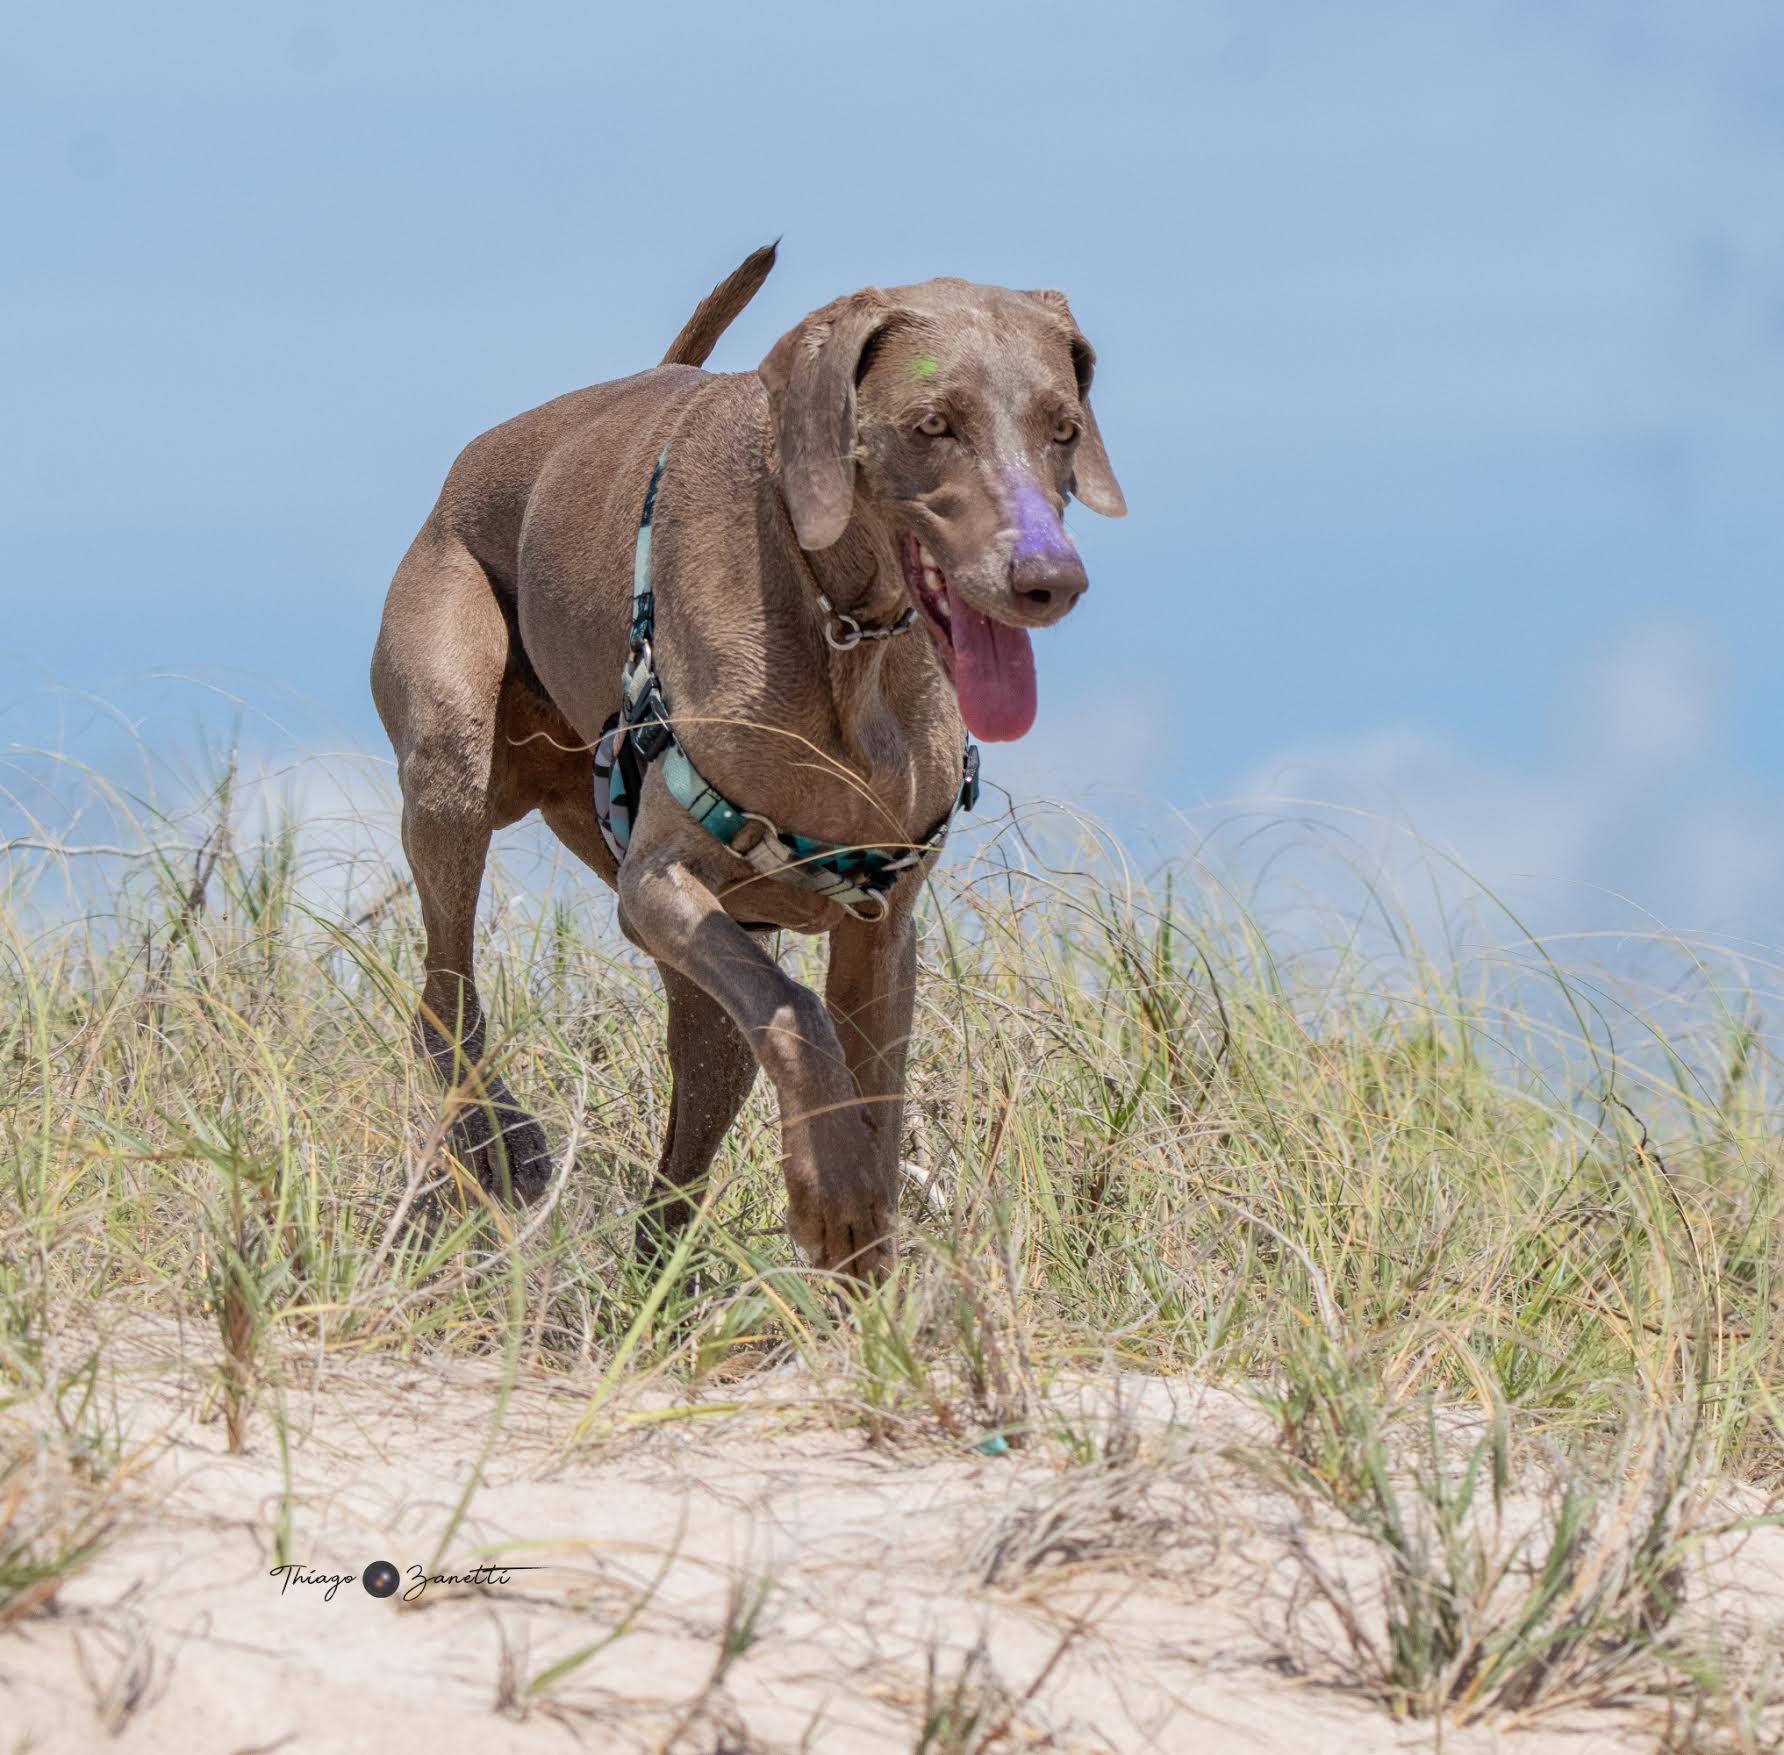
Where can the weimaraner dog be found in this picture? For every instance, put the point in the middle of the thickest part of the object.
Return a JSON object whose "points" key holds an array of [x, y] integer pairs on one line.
{"points": [[739, 562]]}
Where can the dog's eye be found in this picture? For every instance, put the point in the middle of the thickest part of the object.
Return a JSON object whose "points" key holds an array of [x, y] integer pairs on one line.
{"points": [[933, 426], [1065, 429]]}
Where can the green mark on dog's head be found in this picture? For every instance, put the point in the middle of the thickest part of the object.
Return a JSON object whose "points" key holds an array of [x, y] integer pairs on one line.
{"points": [[923, 366]]}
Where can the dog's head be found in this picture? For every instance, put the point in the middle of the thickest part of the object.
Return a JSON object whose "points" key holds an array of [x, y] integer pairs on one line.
{"points": [[953, 422]]}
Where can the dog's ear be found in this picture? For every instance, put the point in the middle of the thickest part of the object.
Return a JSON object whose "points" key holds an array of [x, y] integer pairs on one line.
{"points": [[1095, 482], [811, 374]]}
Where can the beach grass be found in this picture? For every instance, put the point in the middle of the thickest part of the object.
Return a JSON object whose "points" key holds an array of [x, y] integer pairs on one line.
{"points": [[1474, 1222]]}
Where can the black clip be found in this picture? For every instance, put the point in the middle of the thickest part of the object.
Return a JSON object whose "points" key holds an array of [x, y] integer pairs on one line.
{"points": [[648, 728], [650, 738], [969, 784]]}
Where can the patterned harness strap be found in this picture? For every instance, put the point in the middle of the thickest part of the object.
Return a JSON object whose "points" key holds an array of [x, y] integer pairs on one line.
{"points": [[857, 879]]}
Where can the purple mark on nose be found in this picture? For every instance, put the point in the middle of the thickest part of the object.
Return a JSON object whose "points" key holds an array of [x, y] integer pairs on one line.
{"points": [[1038, 529]]}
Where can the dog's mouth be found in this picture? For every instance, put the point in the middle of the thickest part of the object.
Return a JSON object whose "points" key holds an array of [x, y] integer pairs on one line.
{"points": [[990, 663]]}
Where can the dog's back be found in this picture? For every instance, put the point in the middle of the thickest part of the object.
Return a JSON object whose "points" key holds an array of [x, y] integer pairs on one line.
{"points": [[483, 501]]}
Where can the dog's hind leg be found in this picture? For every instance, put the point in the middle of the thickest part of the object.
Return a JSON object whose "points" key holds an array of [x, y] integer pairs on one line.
{"points": [[437, 675], [493, 1136]]}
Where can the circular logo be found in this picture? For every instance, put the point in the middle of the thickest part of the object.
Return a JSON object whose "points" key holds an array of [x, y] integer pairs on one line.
{"points": [[381, 1579]]}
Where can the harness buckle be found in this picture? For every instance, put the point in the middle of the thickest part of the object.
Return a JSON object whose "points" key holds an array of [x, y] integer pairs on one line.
{"points": [[645, 721], [650, 737]]}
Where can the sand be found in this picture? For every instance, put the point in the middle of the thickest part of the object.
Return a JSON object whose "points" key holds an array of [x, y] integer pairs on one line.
{"points": [[747, 1573]]}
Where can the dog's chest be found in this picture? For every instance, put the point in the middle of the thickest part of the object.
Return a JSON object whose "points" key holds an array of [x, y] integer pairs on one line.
{"points": [[856, 747], [840, 748]]}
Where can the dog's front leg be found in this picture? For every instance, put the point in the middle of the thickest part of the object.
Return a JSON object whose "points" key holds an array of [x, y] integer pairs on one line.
{"points": [[871, 991], [840, 1195]]}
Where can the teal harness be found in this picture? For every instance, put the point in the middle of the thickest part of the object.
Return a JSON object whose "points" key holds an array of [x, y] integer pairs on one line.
{"points": [[857, 879]]}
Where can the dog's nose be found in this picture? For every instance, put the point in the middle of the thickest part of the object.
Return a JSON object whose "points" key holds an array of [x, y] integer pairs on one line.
{"points": [[1046, 575], [1049, 581]]}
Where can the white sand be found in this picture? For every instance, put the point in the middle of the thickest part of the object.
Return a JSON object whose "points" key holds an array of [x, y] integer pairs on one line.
{"points": [[1187, 1630]]}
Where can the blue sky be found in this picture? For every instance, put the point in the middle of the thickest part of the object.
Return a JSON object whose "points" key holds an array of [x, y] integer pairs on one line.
{"points": [[1442, 360]]}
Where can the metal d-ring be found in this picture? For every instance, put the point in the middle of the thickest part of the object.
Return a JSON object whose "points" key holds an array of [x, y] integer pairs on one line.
{"points": [[854, 913], [853, 633]]}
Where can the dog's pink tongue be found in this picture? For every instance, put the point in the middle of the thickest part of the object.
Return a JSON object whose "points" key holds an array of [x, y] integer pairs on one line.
{"points": [[993, 673]]}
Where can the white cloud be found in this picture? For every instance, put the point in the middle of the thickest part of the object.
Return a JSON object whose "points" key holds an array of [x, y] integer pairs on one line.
{"points": [[1634, 815], [1653, 695]]}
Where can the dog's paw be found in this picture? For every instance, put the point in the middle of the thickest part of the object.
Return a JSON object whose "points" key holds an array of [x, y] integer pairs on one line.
{"points": [[847, 1225], [529, 1157], [505, 1149], [660, 1225]]}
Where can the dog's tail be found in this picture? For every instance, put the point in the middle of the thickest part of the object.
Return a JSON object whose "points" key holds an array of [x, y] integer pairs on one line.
{"points": [[716, 312]]}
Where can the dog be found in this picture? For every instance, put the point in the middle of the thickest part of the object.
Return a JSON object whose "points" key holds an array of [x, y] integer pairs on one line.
{"points": [[795, 585]]}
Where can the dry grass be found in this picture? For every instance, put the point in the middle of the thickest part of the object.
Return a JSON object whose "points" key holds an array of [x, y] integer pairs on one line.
{"points": [[1464, 1221]]}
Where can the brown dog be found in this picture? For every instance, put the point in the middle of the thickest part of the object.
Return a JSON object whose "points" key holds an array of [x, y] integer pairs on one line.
{"points": [[909, 447]]}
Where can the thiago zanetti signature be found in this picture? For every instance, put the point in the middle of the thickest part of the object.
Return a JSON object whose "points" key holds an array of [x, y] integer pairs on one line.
{"points": [[381, 1578]]}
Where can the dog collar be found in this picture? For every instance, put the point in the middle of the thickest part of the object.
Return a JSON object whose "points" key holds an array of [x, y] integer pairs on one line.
{"points": [[845, 633], [857, 879]]}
